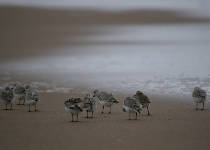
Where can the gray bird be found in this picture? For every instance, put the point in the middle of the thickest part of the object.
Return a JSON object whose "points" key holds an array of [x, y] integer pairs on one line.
{"points": [[89, 104], [105, 99], [143, 100], [7, 96], [74, 106], [199, 96], [31, 99], [20, 93], [131, 105]]}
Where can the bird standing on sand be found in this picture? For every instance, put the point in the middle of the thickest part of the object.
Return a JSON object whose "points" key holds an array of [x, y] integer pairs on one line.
{"points": [[7, 96], [105, 99], [20, 93], [74, 106], [143, 100], [89, 104], [31, 98], [199, 96], [131, 105]]}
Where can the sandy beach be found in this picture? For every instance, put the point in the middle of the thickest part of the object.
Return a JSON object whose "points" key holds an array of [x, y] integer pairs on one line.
{"points": [[174, 124]]}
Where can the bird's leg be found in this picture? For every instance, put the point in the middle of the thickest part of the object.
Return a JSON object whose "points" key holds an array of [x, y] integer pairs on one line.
{"points": [[29, 108], [24, 101], [35, 108], [129, 115], [87, 113], [92, 114], [102, 109], [196, 106], [77, 117], [5, 106], [148, 111], [11, 106], [72, 117], [203, 106], [136, 116], [110, 109]]}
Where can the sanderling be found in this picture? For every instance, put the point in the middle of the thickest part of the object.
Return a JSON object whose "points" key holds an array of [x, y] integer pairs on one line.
{"points": [[20, 93], [32, 98], [131, 105], [143, 99], [199, 96], [74, 106], [105, 99], [89, 104], [7, 96]]}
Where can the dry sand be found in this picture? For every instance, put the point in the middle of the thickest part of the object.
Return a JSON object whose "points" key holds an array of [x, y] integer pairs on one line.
{"points": [[174, 124]]}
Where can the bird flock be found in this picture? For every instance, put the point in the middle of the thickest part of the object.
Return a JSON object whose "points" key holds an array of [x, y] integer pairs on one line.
{"points": [[134, 105], [17, 91], [76, 105]]}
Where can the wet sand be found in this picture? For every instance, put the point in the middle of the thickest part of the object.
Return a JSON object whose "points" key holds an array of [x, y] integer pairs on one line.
{"points": [[174, 124]]}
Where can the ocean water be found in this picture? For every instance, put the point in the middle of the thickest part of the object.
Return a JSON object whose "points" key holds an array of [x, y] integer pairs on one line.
{"points": [[165, 59]]}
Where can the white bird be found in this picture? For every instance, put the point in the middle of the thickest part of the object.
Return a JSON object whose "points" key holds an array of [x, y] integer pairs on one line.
{"points": [[105, 99], [74, 106], [131, 105], [199, 96], [32, 98], [89, 104], [7, 96], [143, 100]]}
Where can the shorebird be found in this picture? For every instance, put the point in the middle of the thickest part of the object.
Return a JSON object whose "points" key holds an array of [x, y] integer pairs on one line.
{"points": [[32, 98], [20, 93], [7, 96], [199, 96], [74, 106], [89, 104], [105, 99], [131, 105], [143, 99]]}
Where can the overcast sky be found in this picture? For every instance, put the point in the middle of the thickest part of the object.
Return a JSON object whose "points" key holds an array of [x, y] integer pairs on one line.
{"points": [[109, 4]]}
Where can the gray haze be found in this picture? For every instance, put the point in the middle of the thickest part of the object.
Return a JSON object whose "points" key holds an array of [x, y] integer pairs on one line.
{"points": [[109, 4], [152, 48]]}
